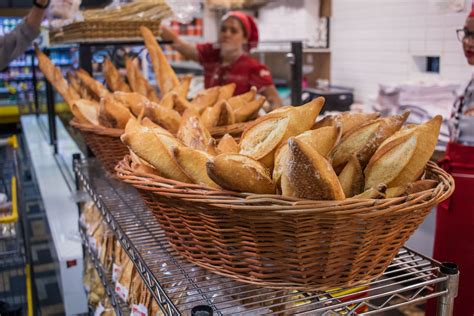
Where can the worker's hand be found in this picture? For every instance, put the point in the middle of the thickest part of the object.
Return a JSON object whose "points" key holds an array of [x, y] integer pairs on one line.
{"points": [[41, 3], [167, 34]]}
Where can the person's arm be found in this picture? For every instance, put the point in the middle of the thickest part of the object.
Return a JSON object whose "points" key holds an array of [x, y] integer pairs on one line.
{"points": [[17, 41], [188, 50], [271, 93]]}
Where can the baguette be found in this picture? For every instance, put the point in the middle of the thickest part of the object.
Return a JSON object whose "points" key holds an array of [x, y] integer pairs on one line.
{"points": [[352, 178], [112, 77], [155, 127], [134, 101], [169, 119], [240, 173], [414, 187], [192, 131], [377, 192], [165, 76], [137, 81], [248, 110], [240, 100], [141, 165], [226, 92], [183, 88], [205, 98], [220, 114], [154, 148], [86, 111], [180, 104], [193, 164], [114, 113], [168, 100], [93, 85], [310, 174], [227, 144]]}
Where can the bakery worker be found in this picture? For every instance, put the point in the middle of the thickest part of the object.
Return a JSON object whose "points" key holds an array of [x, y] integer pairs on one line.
{"points": [[17, 41], [454, 236], [229, 60]]}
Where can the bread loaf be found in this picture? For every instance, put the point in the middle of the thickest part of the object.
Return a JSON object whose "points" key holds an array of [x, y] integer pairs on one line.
{"points": [[248, 110], [192, 131], [113, 113], [86, 111], [205, 98], [240, 100], [227, 144], [93, 85], [112, 77], [193, 164], [352, 178]]}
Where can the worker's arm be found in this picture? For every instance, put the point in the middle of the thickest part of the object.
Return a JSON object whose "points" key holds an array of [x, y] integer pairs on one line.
{"points": [[271, 93], [188, 50], [17, 41]]}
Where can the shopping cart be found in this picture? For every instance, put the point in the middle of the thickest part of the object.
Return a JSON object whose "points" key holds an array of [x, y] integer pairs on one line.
{"points": [[16, 290]]}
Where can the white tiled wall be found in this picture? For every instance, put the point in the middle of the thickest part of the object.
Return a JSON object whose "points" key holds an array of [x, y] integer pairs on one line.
{"points": [[374, 41]]}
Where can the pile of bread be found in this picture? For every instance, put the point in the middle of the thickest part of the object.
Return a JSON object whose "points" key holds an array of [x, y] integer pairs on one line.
{"points": [[285, 152], [91, 102]]}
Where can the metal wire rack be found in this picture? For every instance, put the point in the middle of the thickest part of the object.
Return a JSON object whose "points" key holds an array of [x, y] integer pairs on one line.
{"points": [[106, 277], [178, 285]]}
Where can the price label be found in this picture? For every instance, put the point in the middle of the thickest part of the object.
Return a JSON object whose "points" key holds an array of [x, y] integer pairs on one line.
{"points": [[121, 291], [99, 310], [116, 272], [139, 310]]}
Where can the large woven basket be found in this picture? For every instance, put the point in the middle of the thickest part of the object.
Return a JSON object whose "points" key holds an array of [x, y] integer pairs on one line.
{"points": [[104, 142], [101, 31], [281, 242]]}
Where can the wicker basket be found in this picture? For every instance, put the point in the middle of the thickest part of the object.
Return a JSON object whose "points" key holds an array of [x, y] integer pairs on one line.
{"points": [[101, 31], [282, 242], [104, 142]]}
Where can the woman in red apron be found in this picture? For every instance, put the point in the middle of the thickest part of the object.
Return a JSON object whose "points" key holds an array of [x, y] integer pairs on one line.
{"points": [[454, 238], [228, 60]]}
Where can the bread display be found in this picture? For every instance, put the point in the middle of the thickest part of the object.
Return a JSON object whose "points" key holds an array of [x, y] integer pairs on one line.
{"points": [[113, 79]]}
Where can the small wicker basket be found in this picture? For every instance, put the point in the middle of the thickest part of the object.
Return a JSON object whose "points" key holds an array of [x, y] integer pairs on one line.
{"points": [[104, 142], [282, 242]]}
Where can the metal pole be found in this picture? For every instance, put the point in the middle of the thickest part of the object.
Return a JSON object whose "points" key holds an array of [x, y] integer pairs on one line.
{"points": [[35, 81], [296, 62], [85, 58], [51, 114], [446, 302]]}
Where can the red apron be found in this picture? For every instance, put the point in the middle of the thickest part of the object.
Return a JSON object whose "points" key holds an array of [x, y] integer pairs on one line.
{"points": [[454, 237]]}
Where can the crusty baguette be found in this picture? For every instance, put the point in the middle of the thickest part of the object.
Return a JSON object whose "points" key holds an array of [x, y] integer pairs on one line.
{"points": [[220, 114], [248, 110], [114, 113], [240, 173], [322, 139], [310, 174], [141, 165], [164, 74], [183, 88], [226, 92], [155, 127], [133, 100], [54, 76], [389, 160], [112, 77], [137, 81], [168, 100], [328, 120], [414, 187], [181, 104], [350, 120], [205, 98], [86, 111], [93, 85], [240, 100], [192, 131], [193, 163], [352, 178], [167, 118], [364, 140], [427, 137], [227, 144], [377, 192], [154, 148]]}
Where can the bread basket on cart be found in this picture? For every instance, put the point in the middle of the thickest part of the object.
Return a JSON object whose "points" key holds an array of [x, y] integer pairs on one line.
{"points": [[104, 143], [282, 242]]}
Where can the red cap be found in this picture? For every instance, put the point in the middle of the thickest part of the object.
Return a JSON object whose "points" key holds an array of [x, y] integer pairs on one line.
{"points": [[249, 24], [472, 10]]}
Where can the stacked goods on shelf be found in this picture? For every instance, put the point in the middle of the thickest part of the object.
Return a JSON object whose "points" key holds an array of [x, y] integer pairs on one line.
{"points": [[295, 203], [101, 112], [114, 22], [128, 285]]}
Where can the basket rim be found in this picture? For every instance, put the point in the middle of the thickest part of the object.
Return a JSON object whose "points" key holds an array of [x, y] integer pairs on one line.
{"points": [[96, 129], [239, 201]]}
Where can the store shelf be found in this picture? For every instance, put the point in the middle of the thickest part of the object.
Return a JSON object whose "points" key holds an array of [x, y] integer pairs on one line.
{"points": [[191, 65], [179, 285], [119, 306]]}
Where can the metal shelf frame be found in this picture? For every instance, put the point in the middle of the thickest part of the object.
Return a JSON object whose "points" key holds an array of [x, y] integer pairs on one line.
{"points": [[121, 309], [178, 285]]}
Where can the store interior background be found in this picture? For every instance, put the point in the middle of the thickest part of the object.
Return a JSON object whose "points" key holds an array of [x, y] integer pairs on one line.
{"points": [[371, 42]]}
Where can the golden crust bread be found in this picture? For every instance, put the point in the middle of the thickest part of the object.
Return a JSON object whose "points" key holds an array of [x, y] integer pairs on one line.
{"points": [[169, 119], [112, 77], [377, 192], [54, 76], [193, 163], [137, 81], [154, 148], [350, 120], [226, 92], [227, 144], [248, 110], [86, 111], [132, 100], [414, 187], [427, 137], [165, 75], [181, 104], [192, 131], [114, 113], [328, 120], [141, 165], [155, 127], [220, 114], [352, 178], [183, 88], [93, 85], [240, 100], [389, 160], [205, 98], [310, 174], [240, 173]]}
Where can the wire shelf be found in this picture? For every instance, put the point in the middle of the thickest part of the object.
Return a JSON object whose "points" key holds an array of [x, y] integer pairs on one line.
{"points": [[178, 285], [121, 309]]}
